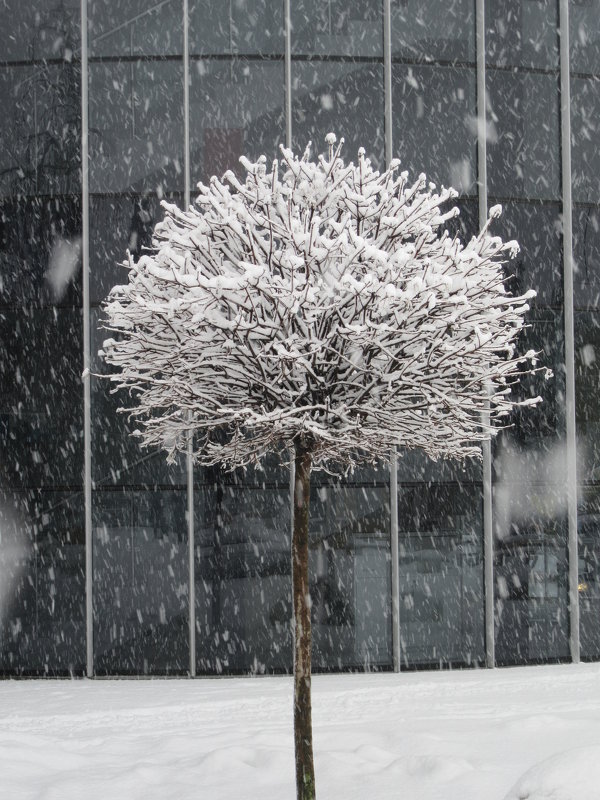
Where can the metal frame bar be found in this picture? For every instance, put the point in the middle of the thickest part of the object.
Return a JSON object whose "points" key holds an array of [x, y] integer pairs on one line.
{"points": [[190, 443], [488, 538], [387, 100], [87, 425], [569, 323], [287, 21]]}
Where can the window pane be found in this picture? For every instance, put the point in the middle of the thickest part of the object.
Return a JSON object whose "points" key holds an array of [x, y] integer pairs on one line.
{"points": [[585, 126], [441, 574], [40, 30], [586, 254], [538, 265], [530, 495], [435, 124], [140, 582], [42, 629], [42, 582], [344, 98], [433, 30], [136, 126], [337, 27], [523, 135], [522, 33], [584, 35], [243, 582], [350, 574], [236, 108], [130, 27], [241, 27]]}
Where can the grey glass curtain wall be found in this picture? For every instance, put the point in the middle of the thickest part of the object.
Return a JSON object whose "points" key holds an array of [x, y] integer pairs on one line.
{"points": [[104, 545]]}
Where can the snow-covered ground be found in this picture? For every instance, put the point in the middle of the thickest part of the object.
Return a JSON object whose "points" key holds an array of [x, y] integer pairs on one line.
{"points": [[524, 734]]}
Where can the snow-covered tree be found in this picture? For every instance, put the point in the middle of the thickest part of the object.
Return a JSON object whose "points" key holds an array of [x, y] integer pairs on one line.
{"points": [[318, 308]]}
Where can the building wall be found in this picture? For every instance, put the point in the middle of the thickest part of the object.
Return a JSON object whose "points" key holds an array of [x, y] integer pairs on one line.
{"points": [[498, 560]]}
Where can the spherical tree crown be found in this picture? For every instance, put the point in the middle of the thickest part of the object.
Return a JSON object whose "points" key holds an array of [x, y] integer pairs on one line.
{"points": [[317, 302]]}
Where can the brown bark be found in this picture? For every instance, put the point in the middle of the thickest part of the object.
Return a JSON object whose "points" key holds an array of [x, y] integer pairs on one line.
{"points": [[305, 770]]}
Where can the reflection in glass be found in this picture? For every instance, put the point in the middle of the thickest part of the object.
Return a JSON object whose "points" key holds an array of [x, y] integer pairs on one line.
{"points": [[140, 582], [441, 574], [236, 108], [243, 583], [340, 97], [350, 575], [42, 587], [427, 30], [42, 583], [531, 577], [435, 124], [523, 135]]}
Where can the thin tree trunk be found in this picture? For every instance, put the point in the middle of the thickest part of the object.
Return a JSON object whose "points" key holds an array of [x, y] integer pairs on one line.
{"points": [[305, 770]]}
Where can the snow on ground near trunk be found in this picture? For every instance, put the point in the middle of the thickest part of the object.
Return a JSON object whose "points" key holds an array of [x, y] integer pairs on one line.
{"points": [[528, 733]]}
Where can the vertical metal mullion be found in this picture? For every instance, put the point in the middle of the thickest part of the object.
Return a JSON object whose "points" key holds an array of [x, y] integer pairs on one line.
{"points": [[189, 453], [569, 322], [395, 587], [488, 540], [288, 72], [87, 426]]}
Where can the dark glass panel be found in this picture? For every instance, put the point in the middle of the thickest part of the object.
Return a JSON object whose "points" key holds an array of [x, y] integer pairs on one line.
{"points": [[236, 108], [531, 576], [120, 223], [42, 587], [538, 265], [588, 528], [41, 414], [585, 154], [136, 127], [344, 98], [441, 573], [586, 255], [587, 385], [40, 130], [350, 574], [134, 27], [140, 582], [435, 124], [523, 135], [584, 35], [243, 583], [522, 33], [41, 30], [337, 27], [244, 26], [42, 583], [429, 30], [530, 509]]}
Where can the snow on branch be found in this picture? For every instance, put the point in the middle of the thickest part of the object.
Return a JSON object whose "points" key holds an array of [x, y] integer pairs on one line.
{"points": [[320, 301]]}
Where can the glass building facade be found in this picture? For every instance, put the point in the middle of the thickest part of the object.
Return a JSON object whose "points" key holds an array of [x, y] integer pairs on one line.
{"points": [[113, 562]]}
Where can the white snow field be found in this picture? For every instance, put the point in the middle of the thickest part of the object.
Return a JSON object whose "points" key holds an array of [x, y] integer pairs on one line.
{"points": [[527, 733]]}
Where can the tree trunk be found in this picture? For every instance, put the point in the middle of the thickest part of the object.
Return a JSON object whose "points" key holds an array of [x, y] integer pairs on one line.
{"points": [[305, 770]]}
